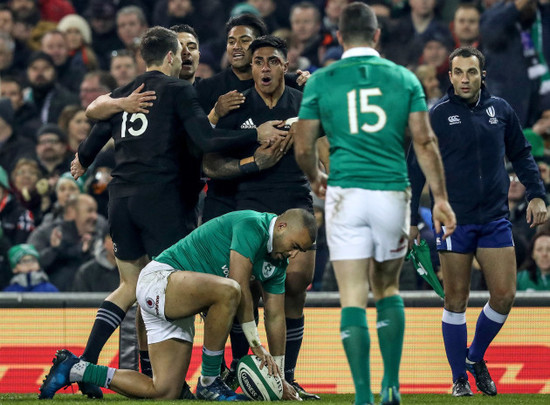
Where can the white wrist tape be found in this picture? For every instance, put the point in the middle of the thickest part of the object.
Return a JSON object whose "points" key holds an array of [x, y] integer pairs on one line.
{"points": [[280, 361], [251, 332]]}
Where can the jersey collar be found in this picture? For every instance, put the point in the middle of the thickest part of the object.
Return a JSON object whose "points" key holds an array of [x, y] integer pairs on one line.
{"points": [[270, 241], [360, 51]]}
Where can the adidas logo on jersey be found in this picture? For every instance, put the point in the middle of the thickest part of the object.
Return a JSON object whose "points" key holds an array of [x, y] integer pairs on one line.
{"points": [[248, 124]]}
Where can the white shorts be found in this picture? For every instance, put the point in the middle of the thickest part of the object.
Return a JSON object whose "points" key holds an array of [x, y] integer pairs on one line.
{"points": [[367, 223], [151, 296]]}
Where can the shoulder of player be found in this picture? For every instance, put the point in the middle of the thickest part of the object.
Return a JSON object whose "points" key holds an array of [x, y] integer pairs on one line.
{"points": [[212, 81]]}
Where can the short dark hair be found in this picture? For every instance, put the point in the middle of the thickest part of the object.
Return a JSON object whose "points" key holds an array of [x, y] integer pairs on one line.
{"points": [[156, 43], [248, 20], [185, 28], [357, 23], [13, 79], [268, 41], [306, 5], [466, 52]]}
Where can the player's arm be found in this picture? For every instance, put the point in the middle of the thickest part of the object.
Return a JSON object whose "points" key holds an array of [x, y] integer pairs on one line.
{"points": [[429, 159], [105, 106], [219, 166], [226, 103], [240, 270], [275, 326], [208, 139], [90, 147], [306, 133], [323, 150]]}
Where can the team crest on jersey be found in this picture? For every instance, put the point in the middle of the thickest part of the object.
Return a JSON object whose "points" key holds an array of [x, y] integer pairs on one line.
{"points": [[491, 113], [454, 119], [248, 124], [268, 269]]}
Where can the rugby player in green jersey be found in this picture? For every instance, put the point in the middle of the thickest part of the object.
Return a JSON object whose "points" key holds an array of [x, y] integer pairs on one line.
{"points": [[208, 271], [364, 104]]}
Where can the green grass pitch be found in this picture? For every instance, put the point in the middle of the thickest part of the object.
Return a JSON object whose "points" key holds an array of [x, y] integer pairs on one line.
{"points": [[326, 399]]}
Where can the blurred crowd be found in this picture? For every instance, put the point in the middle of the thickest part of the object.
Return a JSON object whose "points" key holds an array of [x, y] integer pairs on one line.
{"points": [[57, 56]]}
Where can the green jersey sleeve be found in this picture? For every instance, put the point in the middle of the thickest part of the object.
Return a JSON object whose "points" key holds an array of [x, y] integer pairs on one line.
{"points": [[309, 109]]}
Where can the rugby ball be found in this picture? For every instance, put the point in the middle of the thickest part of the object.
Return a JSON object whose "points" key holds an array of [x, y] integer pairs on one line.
{"points": [[257, 384]]}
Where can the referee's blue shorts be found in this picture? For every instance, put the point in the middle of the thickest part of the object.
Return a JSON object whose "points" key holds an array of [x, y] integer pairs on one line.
{"points": [[467, 238]]}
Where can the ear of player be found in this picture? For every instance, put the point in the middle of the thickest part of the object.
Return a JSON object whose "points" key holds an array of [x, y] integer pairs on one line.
{"points": [[256, 383]]}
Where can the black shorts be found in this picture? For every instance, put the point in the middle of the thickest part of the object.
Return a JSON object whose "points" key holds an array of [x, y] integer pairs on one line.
{"points": [[147, 223], [275, 202]]}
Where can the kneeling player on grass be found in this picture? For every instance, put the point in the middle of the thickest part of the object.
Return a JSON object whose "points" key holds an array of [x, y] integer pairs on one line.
{"points": [[222, 256]]}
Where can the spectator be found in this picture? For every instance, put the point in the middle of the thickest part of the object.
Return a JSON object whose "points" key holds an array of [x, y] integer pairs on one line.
{"points": [[49, 96], [7, 26], [410, 32], [69, 245], [51, 151], [536, 276], [28, 276], [131, 25], [123, 67], [517, 203], [465, 25], [54, 43], [436, 51], [65, 189], [267, 10], [25, 118], [6, 19], [305, 23], [55, 10], [208, 66], [79, 38], [100, 273], [12, 147], [75, 124], [332, 55], [17, 222], [24, 8], [333, 9], [7, 50], [505, 29], [30, 189], [539, 134], [427, 74], [101, 14], [95, 84]]}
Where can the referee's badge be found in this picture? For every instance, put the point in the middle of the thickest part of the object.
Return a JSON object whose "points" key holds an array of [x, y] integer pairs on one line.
{"points": [[491, 113]]}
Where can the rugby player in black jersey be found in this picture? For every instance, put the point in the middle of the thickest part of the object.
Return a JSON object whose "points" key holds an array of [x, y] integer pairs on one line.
{"points": [[222, 94], [273, 189], [147, 209]]}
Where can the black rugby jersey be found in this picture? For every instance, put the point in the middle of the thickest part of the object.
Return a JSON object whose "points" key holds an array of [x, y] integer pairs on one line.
{"points": [[285, 175], [150, 149]]}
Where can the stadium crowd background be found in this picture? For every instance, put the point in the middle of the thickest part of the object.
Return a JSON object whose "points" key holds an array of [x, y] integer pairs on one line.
{"points": [[57, 56]]}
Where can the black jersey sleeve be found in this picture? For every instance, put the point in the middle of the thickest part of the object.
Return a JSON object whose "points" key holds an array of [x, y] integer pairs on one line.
{"points": [[198, 127], [90, 147]]}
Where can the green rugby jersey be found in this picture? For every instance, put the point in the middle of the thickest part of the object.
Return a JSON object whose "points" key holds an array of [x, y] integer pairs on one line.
{"points": [[363, 102], [207, 248]]}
